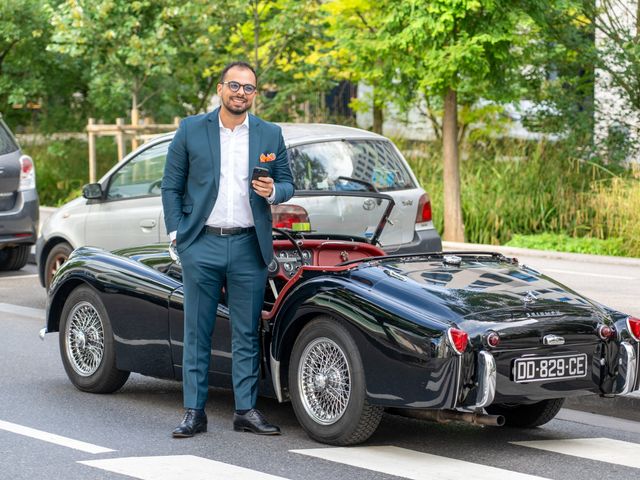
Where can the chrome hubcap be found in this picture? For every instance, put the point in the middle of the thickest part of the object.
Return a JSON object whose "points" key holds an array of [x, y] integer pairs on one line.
{"points": [[324, 381], [85, 339]]}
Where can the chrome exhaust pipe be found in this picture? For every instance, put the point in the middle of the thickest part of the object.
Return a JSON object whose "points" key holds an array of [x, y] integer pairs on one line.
{"points": [[445, 416]]}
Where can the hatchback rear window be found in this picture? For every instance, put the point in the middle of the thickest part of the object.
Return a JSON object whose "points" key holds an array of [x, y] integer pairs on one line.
{"points": [[7, 144], [319, 166]]}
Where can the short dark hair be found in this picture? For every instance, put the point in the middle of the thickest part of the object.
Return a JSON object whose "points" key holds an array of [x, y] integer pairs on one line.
{"points": [[237, 64]]}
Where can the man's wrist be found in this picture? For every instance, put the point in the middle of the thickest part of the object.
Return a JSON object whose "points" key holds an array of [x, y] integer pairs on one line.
{"points": [[272, 198]]}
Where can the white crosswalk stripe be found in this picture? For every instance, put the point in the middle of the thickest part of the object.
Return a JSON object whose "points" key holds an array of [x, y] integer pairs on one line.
{"points": [[53, 438], [600, 449], [402, 462], [178, 466]]}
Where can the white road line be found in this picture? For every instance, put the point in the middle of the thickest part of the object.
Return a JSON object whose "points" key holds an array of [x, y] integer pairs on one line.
{"points": [[177, 466], [406, 463], [588, 274], [12, 277], [24, 311], [600, 449], [52, 438]]}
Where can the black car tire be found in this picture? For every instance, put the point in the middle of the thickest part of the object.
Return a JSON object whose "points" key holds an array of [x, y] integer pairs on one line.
{"points": [[14, 258], [358, 419], [86, 338], [527, 416], [55, 258]]}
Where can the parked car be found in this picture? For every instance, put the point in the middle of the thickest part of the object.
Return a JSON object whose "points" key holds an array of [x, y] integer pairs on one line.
{"points": [[19, 207], [124, 208], [348, 331]]}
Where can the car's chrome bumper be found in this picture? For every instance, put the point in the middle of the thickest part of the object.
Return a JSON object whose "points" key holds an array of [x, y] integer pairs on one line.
{"points": [[627, 369], [485, 390], [486, 379]]}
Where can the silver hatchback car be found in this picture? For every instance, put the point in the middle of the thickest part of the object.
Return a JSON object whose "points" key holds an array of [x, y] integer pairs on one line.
{"points": [[124, 208]]}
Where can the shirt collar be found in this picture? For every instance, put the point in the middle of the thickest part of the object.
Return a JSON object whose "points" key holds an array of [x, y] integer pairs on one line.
{"points": [[245, 122]]}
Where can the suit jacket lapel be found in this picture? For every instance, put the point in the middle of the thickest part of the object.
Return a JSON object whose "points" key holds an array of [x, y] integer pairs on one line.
{"points": [[213, 132], [254, 145]]}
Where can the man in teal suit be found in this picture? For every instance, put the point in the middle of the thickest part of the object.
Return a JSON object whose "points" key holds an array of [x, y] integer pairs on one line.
{"points": [[220, 221]]}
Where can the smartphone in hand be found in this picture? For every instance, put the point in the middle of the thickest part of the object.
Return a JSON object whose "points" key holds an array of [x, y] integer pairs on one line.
{"points": [[259, 172]]}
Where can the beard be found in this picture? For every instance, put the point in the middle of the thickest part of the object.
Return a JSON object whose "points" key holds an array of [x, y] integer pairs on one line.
{"points": [[236, 108]]}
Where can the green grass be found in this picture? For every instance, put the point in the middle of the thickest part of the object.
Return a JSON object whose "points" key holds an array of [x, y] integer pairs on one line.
{"points": [[514, 188], [564, 243]]}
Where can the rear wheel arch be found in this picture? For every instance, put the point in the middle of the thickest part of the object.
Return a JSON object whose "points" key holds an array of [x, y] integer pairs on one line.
{"points": [[44, 255], [292, 332]]}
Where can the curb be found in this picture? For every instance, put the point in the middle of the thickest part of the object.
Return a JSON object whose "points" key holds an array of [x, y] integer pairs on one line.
{"points": [[527, 252]]}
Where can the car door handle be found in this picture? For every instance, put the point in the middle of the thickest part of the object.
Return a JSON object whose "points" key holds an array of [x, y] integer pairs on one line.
{"points": [[148, 223]]}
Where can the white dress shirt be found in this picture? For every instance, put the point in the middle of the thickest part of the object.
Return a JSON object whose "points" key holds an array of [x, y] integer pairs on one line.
{"points": [[232, 207]]}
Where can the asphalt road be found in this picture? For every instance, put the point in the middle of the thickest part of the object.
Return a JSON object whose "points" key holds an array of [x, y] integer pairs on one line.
{"points": [[43, 417]]}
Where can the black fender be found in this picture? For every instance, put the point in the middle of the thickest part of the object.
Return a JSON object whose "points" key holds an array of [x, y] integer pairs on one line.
{"points": [[411, 346], [136, 298]]}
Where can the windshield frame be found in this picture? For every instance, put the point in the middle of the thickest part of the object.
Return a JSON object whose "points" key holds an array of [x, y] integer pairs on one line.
{"points": [[373, 195]]}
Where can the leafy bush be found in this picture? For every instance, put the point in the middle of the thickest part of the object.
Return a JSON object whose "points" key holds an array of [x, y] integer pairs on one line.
{"points": [[62, 167]]}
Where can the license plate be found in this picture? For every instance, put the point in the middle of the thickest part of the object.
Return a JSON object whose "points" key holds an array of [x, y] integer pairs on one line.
{"points": [[538, 369]]}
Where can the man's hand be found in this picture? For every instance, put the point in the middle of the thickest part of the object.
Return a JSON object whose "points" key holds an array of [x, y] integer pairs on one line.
{"points": [[263, 186]]}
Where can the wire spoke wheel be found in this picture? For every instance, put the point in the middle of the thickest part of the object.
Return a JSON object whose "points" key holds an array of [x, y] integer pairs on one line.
{"points": [[85, 339], [328, 388], [324, 381]]}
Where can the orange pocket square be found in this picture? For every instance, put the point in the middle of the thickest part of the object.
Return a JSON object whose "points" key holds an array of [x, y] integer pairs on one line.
{"points": [[270, 157]]}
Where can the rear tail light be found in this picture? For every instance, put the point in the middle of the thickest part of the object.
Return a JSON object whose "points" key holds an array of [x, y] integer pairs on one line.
{"points": [[424, 209], [458, 340], [27, 174], [293, 217], [493, 339], [605, 332], [633, 325]]}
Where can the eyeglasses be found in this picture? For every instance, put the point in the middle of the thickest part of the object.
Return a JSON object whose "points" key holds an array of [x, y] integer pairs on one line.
{"points": [[235, 86]]}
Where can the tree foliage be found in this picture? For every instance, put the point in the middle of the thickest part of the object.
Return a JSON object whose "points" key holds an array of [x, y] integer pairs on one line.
{"points": [[30, 78], [455, 51]]}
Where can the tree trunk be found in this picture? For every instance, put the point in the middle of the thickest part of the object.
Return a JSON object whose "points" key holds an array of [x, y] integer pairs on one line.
{"points": [[378, 113], [135, 115], [453, 226]]}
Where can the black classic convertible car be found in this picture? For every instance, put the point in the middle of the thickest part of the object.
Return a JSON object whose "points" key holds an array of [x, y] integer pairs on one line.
{"points": [[348, 332]]}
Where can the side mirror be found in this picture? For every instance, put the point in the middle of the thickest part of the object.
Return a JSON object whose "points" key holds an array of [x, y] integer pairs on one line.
{"points": [[92, 191]]}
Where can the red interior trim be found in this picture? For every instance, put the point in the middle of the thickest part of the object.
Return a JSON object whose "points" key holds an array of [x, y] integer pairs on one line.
{"points": [[326, 254]]}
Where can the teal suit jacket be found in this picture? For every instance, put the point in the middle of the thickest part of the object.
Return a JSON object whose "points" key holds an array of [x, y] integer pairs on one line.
{"points": [[192, 176]]}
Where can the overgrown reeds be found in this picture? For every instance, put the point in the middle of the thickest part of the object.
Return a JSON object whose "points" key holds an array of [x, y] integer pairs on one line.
{"points": [[511, 187]]}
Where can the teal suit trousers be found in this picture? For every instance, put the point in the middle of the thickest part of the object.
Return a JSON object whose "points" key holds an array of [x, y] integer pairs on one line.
{"points": [[234, 262]]}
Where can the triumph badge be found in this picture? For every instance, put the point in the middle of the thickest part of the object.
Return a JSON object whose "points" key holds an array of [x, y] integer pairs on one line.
{"points": [[529, 298]]}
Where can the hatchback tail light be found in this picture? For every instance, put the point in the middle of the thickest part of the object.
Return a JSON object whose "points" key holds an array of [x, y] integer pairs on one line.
{"points": [[424, 209], [458, 340], [27, 174], [633, 325], [293, 217]]}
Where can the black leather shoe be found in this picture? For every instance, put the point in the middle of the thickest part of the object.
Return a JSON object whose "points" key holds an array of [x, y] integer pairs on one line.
{"points": [[194, 421], [253, 421]]}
